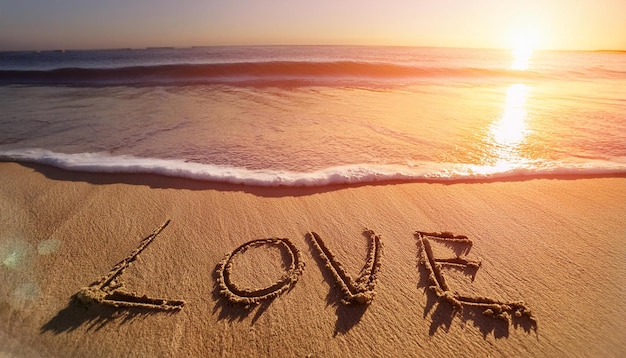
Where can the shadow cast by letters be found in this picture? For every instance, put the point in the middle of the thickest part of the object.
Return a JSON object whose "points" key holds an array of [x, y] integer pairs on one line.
{"points": [[95, 316], [348, 316], [445, 312], [227, 310]]}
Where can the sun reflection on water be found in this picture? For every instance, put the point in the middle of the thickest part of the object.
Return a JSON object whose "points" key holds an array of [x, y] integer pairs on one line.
{"points": [[521, 58], [510, 129], [508, 132], [524, 44]]}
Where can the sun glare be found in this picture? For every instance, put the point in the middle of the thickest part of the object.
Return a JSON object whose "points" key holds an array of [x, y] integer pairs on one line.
{"points": [[510, 130], [523, 45]]}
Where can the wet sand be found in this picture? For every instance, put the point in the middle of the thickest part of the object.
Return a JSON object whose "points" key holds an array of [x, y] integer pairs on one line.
{"points": [[367, 287]]}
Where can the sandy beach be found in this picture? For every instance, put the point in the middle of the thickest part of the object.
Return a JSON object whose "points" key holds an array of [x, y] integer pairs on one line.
{"points": [[557, 245]]}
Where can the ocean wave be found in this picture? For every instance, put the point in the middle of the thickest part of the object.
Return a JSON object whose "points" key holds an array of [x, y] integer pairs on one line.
{"points": [[346, 174], [271, 72]]}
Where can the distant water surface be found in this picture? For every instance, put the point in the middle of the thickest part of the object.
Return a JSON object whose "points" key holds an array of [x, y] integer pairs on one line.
{"points": [[315, 115]]}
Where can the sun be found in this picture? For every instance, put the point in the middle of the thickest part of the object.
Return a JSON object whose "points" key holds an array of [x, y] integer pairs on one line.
{"points": [[523, 44]]}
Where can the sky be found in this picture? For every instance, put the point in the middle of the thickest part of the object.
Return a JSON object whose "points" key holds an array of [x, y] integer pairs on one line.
{"points": [[91, 24]]}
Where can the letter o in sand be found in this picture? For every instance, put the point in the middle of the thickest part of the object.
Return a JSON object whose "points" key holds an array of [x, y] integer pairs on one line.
{"points": [[248, 296]]}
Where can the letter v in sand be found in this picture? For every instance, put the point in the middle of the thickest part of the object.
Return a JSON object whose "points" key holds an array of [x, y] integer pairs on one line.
{"points": [[361, 290], [109, 290]]}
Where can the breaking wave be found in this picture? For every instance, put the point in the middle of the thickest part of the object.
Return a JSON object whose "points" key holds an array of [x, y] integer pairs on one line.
{"points": [[347, 174], [247, 72]]}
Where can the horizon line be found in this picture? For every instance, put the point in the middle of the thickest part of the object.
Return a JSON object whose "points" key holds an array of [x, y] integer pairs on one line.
{"points": [[122, 48]]}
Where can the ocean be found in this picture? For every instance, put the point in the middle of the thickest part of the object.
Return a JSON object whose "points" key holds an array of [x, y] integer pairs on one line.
{"points": [[316, 115]]}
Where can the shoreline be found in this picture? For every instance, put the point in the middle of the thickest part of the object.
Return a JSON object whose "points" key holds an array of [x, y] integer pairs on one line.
{"points": [[164, 181], [555, 244]]}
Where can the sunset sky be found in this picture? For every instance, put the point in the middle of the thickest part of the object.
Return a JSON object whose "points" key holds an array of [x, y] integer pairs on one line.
{"points": [[78, 24]]}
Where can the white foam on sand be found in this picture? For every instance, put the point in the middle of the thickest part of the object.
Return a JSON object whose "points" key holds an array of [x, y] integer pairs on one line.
{"points": [[345, 174]]}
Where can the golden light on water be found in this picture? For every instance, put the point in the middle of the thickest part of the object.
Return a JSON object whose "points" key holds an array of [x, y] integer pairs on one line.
{"points": [[521, 58], [510, 130], [523, 45]]}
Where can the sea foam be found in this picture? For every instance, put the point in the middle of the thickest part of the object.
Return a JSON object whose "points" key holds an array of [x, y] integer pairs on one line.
{"points": [[346, 174]]}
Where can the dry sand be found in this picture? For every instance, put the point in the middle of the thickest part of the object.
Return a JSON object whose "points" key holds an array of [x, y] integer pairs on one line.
{"points": [[557, 245]]}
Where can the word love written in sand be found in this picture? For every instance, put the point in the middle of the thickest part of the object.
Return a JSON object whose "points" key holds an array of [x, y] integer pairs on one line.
{"points": [[109, 290]]}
